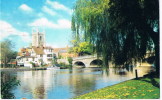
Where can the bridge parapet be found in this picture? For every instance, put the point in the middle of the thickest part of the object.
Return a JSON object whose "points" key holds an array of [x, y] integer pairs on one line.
{"points": [[85, 57]]}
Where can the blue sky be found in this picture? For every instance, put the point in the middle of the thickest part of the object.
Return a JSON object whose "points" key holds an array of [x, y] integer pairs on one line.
{"points": [[19, 17]]}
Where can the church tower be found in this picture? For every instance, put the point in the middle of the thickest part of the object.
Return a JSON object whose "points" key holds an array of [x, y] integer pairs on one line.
{"points": [[38, 38]]}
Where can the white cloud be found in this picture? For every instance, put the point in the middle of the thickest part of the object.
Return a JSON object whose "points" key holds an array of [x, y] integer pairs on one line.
{"points": [[25, 7], [44, 22], [7, 30], [48, 10], [63, 23], [58, 6]]}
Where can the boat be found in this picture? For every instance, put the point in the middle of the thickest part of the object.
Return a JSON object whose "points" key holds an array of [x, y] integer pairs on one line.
{"points": [[53, 67]]}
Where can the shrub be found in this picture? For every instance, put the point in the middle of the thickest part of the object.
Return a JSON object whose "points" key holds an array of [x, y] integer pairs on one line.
{"points": [[70, 60]]}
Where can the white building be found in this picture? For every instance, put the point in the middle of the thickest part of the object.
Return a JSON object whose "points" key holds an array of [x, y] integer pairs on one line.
{"points": [[26, 61]]}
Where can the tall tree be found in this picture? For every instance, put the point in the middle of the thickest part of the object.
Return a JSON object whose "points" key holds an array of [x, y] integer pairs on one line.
{"points": [[6, 52], [136, 22], [122, 30]]}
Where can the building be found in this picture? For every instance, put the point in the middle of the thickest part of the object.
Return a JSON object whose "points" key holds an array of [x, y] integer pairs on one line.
{"points": [[38, 38], [62, 53], [36, 55]]}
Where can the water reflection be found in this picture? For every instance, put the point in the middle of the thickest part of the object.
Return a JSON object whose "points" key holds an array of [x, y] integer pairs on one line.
{"points": [[105, 71], [36, 82], [68, 83], [129, 67], [8, 83], [87, 85]]}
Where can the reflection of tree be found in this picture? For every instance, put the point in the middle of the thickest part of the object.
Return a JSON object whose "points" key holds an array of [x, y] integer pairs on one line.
{"points": [[120, 71], [8, 83], [39, 92], [82, 83], [105, 71], [129, 68]]}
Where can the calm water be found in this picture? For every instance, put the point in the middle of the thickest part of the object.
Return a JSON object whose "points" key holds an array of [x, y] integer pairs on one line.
{"points": [[65, 83]]}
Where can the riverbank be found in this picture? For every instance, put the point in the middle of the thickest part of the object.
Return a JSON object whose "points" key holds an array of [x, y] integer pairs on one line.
{"points": [[23, 69], [142, 88], [39, 68]]}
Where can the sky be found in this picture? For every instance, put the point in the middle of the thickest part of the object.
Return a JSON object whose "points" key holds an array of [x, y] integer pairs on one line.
{"points": [[19, 17]]}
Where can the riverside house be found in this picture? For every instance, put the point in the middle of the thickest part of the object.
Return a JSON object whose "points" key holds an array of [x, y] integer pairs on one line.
{"points": [[28, 57]]}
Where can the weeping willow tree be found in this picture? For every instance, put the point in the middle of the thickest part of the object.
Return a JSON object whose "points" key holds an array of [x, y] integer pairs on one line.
{"points": [[122, 30], [88, 20]]}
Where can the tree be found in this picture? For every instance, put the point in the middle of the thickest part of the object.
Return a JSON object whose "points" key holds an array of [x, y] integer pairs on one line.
{"points": [[6, 52], [137, 24], [70, 60], [54, 60], [83, 48], [12, 55], [122, 30]]}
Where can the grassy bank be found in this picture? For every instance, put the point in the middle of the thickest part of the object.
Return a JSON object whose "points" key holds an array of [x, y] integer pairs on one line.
{"points": [[143, 88]]}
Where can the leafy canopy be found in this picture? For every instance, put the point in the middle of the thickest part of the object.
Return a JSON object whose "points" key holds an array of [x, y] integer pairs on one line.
{"points": [[122, 30]]}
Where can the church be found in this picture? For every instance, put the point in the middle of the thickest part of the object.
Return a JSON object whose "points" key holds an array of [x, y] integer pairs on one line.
{"points": [[36, 55]]}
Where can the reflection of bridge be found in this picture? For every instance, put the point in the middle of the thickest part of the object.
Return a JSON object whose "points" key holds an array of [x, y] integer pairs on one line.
{"points": [[87, 61]]}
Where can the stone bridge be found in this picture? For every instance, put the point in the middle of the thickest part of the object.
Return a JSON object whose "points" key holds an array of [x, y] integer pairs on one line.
{"points": [[93, 61], [87, 61]]}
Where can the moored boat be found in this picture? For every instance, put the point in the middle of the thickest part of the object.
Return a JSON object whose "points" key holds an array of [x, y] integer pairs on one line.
{"points": [[53, 67]]}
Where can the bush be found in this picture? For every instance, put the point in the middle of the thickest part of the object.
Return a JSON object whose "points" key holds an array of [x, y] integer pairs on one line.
{"points": [[63, 65], [70, 60], [33, 64]]}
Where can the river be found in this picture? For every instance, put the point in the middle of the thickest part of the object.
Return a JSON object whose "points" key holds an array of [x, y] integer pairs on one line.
{"points": [[66, 83]]}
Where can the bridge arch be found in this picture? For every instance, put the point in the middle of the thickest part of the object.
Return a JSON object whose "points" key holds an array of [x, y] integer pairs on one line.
{"points": [[87, 61], [96, 62], [79, 64]]}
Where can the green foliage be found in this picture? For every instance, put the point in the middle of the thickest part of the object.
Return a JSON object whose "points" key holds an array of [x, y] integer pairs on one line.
{"points": [[54, 60], [6, 52], [70, 60], [83, 48], [121, 30], [74, 43], [8, 83], [64, 66], [33, 64], [132, 89], [59, 57]]}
